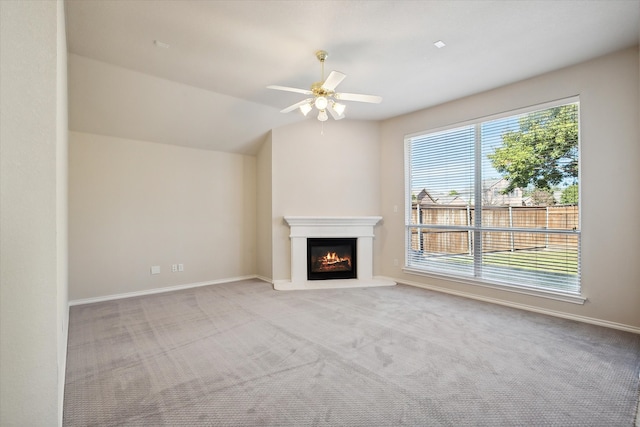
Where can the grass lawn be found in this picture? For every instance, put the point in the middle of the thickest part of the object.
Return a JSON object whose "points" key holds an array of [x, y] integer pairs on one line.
{"points": [[550, 260], [550, 268]]}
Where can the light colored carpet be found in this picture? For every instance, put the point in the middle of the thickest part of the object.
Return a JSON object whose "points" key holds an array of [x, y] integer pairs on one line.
{"points": [[242, 354]]}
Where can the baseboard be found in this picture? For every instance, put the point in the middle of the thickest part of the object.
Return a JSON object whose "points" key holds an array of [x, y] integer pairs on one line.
{"points": [[569, 316], [62, 365], [159, 290], [264, 279]]}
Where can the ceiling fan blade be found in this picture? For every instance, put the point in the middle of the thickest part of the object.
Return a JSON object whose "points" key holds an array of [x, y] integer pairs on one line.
{"points": [[296, 105], [290, 89], [333, 80], [374, 99]]}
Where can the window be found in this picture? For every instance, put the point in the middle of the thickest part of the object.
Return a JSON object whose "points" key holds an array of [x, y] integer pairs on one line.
{"points": [[497, 201]]}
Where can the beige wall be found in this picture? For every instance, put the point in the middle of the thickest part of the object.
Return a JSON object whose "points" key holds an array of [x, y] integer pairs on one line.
{"points": [[331, 171], [62, 197], [33, 203], [135, 204], [610, 154], [106, 99], [264, 208]]}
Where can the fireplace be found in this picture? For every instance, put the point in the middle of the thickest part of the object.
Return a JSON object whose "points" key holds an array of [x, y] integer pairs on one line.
{"points": [[331, 258], [327, 230]]}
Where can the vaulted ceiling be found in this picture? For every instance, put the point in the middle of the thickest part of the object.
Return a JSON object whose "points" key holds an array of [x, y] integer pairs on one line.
{"points": [[211, 61]]}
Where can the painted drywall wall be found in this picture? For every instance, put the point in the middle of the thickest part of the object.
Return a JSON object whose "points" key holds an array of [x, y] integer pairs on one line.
{"points": [[137, 204], [109, 100], [610, 150], [62, 198], [328, 170], [33, 270], [263, 211]]}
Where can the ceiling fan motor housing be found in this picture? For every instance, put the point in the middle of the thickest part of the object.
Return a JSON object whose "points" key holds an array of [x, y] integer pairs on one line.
{"points": [[317, 90]]}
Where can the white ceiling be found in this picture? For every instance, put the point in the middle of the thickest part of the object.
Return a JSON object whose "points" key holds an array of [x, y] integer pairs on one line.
{"points": [[234, 49]]}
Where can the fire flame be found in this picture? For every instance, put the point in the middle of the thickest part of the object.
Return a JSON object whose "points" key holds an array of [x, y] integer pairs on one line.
{"points": [[332, 258]]}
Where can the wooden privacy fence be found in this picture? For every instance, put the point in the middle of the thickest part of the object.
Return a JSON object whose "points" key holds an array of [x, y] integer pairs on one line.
{"points": [[439, 241]]}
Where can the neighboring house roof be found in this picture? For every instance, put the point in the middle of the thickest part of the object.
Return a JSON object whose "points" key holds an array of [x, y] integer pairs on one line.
{"points": [[452, 200], [492, 194], [425, 198]]}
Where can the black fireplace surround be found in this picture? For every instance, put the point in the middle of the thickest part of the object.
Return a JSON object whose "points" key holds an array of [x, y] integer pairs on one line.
{"points": [[331, 258]]}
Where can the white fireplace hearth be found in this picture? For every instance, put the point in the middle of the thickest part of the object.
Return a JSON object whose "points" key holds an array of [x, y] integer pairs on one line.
{"points": [[307, 227]]}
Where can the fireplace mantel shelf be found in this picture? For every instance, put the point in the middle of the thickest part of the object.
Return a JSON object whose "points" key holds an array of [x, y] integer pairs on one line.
{"points": [[304, 227], [343, 221]]}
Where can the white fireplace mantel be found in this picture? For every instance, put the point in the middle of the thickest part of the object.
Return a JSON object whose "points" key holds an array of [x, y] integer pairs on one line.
{"points": [[304, 227]]}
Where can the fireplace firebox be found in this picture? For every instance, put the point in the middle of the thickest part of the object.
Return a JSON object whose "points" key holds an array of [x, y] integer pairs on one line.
{"points": [[331, 258]]}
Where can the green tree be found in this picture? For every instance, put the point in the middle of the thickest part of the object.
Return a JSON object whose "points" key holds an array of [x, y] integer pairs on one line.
{"points": [[542, 197], [570, 195], [454, 193], [543, 153]]}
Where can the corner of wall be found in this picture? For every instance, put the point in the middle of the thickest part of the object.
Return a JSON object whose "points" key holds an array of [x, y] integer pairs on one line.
{"points": [[62, 203], [264, 212]]}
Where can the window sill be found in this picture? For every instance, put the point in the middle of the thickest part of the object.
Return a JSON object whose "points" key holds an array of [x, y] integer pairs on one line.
{"points": [[526, 290]]}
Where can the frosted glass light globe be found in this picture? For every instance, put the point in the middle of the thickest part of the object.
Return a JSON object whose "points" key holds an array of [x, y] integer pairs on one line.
{"points": [[321, 103], [305, 108]]}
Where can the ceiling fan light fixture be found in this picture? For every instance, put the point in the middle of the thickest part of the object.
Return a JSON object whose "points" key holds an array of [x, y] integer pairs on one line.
{"points": [[321, 103], [334, 114], [322, 116], [324, 96], [305, 108], [338, 108]]}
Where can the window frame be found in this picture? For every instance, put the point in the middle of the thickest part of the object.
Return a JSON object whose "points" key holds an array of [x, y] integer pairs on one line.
{"points": [[567, 296]]}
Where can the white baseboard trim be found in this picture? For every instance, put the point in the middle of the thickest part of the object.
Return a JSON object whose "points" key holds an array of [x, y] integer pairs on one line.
{"points": [[158, 290], [264, 279], [62, 365], [569, 316]]}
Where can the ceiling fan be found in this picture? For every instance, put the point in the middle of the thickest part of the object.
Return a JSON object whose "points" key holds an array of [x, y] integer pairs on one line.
{"points": [[324, 96]]}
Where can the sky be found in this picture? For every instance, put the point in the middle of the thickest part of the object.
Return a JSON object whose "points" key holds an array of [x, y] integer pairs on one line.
{"points": [[443, 162], [445, 159]]}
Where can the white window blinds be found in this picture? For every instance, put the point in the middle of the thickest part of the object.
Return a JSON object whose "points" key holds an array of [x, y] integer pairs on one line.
{"points": [[497, 201]]}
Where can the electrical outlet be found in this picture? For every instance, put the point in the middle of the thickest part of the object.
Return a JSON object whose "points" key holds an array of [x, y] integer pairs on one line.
{"points": [[155, 269], [174, 268], [180, 267]]}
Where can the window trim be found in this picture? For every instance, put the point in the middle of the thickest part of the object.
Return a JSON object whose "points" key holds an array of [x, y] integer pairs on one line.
{"points": [[570, 297], [565, 296], [501, 115]]}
